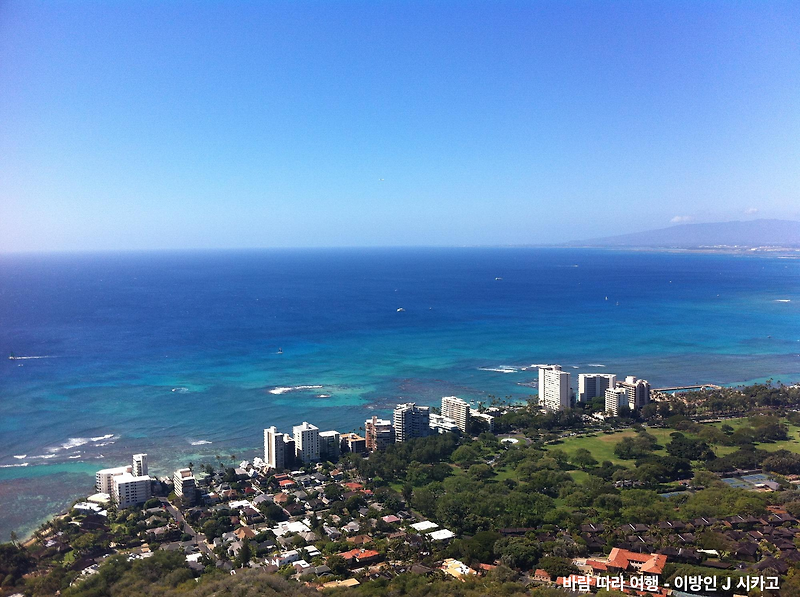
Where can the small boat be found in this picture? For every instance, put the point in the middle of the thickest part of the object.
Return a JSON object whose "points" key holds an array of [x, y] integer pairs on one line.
{"points": [[12, 357], [496, 279], [280, 351], [400, 310]]}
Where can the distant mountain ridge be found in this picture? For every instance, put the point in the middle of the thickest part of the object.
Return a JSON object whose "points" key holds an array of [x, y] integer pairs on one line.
{"points": [[751, 233]]}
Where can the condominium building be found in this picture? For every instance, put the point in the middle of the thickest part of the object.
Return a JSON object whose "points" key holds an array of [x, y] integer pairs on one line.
{"points": [[129, 490], [554, 391], [306, 441], [104, 479], [615, 398], [638, 391], [592, 385], [329, 445], [352, 442], [274, 454], [458, 410], [442, 424], [289, 451], [410, 421], [139, 465], [379, 433], [489, 419], [185, 486]]}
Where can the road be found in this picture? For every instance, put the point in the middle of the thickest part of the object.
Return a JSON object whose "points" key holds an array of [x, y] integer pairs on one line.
{"points": [[198, 538]]}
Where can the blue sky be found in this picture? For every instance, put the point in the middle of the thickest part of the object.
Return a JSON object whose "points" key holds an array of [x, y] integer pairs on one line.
{"points": [[146, 125]]}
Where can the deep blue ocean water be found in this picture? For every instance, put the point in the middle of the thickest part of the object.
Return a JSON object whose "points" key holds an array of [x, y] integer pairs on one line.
{"points": [[176, 354]]}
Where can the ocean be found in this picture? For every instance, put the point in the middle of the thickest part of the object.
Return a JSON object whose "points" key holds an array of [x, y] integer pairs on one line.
{"points": [[189, 355]]}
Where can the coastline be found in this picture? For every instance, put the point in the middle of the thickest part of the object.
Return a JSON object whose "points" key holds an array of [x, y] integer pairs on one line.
{"points": [[129, 330]]}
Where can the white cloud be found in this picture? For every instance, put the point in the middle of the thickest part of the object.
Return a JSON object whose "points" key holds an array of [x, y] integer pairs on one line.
{"points": [[682, 219], [751, 211]]}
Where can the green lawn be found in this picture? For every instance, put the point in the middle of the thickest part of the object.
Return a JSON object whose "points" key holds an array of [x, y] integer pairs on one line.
{"points": [[792, 444], [601, 445]]}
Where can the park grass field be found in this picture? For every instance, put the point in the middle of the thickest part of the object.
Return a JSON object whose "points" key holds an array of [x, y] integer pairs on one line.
{"points": [[601, 445]]}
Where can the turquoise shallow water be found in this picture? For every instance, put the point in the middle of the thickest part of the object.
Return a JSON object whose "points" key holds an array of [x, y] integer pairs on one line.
{"points": [[175, 354]]}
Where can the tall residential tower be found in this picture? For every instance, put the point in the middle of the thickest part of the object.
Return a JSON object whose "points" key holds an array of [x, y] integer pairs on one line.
{"points": [[411, 421], [592, 385], [458, 410], [306, 441], [554, 391]]}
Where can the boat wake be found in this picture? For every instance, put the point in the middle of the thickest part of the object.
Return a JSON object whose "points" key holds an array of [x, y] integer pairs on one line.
{"points": [[200, 442]]}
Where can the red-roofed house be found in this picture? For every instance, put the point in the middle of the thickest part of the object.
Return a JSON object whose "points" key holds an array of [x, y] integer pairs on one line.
{"points": [[597, 567], [628, 561], [360, 556], [542, 575]]}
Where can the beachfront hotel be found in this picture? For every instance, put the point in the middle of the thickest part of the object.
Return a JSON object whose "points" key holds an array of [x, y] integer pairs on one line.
{"points": [[554, 391], [129, 490], [615, 398], [306, 440], [104, 479], [592, 385], [458, 410], [638, 391], [411, 421]]}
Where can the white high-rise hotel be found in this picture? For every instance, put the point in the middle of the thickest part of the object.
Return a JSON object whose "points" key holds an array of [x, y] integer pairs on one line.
{"points": [[129, 490], [306, 440], [456, 409], [632, 393], [615, 399], [410, 421], [554, 391], [638, 391], [104, 479], [127, 485]]}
